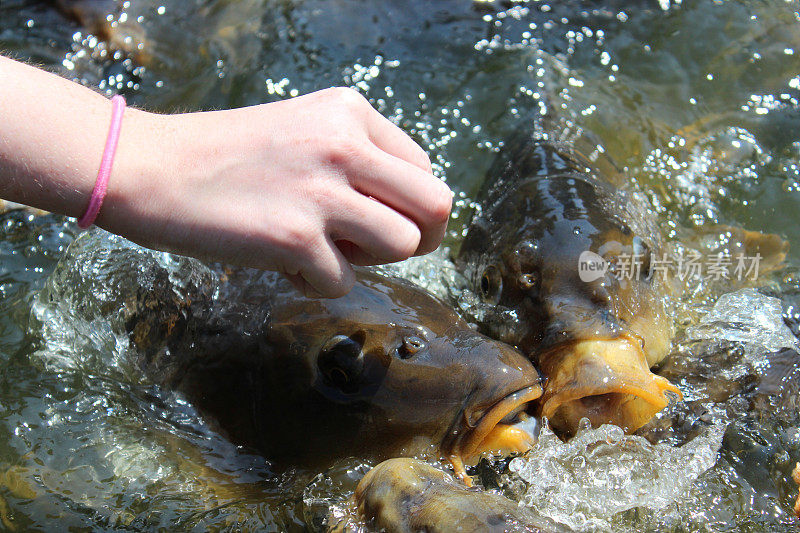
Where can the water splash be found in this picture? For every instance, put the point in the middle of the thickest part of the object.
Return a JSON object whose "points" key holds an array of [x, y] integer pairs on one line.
{"points": [[601, 472], [749, 317], [79, 314], [435, 272]]}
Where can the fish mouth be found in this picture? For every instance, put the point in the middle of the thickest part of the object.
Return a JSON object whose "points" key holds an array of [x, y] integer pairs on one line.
{"points": [[497, 430], [607, 381]]}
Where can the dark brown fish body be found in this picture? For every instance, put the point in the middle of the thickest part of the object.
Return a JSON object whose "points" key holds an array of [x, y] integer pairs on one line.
{"points": [[542, 208], [101, 18], [385, 371], [88, 11]]}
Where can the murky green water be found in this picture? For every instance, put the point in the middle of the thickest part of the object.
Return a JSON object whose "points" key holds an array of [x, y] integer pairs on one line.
{"points": [[697, 100]]}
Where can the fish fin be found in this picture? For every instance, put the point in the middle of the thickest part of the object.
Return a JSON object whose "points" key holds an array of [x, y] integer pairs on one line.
{"points": [[459, 471], [771, 248]]}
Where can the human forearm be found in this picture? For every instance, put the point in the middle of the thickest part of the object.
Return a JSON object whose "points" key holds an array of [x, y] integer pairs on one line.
{"points": [[304, 186], [52, 133]]}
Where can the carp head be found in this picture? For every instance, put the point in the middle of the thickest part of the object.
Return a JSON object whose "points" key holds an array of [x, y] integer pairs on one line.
{"points": [[404, 495], [408, 374], [562, 275]]}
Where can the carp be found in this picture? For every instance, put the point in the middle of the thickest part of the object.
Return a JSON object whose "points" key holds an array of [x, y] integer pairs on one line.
{"points": [[385, 371], [102, 18], [546, 253], [407, 495]]}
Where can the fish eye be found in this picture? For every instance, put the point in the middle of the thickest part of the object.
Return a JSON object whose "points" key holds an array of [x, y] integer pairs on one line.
{"points": [[528, 281], [410, 346], [341, 360], [491, 284]]}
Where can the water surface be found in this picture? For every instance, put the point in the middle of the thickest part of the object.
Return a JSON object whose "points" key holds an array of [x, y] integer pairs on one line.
{"points": [[696, 100]]}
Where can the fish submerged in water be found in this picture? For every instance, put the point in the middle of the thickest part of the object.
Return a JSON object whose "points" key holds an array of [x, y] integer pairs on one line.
{"points": [[548, 253], [406, 495], [101, 18], [385, 371]]}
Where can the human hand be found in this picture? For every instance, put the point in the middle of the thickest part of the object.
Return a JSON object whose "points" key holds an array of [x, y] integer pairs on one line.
{"points": [[304, 186]]}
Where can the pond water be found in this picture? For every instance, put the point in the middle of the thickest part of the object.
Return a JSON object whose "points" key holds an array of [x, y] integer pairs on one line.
{"points": [[697, 101]]}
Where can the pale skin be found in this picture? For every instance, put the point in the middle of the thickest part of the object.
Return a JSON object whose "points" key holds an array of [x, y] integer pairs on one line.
{"points": [[308, 186]]}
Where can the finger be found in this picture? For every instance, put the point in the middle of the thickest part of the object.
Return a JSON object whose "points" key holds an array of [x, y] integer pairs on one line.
{"points": [[408, 190], [327, 271], [375, 232], [387, 136], [356, 255], [301, 285]]}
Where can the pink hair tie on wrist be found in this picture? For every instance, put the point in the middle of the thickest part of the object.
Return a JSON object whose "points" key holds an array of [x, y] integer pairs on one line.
{"points": [[101, 185]]}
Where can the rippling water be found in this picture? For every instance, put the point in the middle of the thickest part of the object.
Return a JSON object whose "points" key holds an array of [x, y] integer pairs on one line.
{"points": [[697, 100]]}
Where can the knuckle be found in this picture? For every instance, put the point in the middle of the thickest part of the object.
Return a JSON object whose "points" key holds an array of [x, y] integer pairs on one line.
{"points": [[328, 192], [347, 98], [298, 241], [342, 150]]}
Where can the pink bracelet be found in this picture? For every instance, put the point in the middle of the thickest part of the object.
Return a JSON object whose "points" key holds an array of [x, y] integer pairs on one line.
{"points": [[101, 185]]}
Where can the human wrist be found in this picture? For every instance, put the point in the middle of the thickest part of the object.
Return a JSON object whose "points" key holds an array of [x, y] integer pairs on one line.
{"points": [[143, 170], [106, 163]]}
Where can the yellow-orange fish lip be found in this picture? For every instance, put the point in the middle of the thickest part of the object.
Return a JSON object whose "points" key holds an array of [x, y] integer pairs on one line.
{"points": [[601, 367], [468, 444]]}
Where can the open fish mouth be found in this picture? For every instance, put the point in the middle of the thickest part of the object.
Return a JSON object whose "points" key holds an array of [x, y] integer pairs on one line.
{"points": [[604, 380], [503, 428]]}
